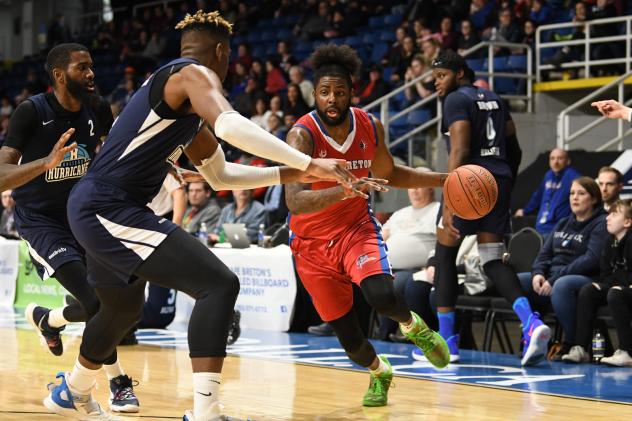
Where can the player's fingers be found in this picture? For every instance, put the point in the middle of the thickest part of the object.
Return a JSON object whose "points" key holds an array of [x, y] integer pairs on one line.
{"points": [[64, 137], [375, 180], [68, 148], [360, 193]]}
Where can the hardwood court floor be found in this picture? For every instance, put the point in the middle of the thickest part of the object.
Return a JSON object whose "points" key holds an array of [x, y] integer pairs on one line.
{"points": [[267, 390]]}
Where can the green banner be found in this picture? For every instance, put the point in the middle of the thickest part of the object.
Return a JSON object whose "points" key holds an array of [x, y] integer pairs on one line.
{"points": [[30, 287]]}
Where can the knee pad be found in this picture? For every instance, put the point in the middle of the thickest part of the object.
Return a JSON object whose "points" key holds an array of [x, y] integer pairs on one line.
{"points": [[489, 252], [379, 291]]}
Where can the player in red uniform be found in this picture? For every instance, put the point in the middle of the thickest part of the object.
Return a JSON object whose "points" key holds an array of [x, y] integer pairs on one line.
{"points": [[335, 238]]}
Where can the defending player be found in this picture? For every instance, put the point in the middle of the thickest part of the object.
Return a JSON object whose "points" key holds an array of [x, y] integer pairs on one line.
{"points": [[480, 132], [125, 241], [335, 238], [47, 171]]}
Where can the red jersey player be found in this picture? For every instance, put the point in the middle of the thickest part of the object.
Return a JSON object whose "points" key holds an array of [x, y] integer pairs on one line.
{"points": [[335, 238]]}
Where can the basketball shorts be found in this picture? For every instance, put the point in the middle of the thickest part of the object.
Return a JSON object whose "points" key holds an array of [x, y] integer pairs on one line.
{"points": [[117, 232], [49, 240], [498, 221], [328, 267]]}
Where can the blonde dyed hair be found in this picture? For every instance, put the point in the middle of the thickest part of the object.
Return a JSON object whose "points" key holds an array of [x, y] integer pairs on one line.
{"points": [[209, 21]]}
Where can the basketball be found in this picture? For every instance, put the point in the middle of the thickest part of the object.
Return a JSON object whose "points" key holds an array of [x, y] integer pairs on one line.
{"points": [[470, 192]]}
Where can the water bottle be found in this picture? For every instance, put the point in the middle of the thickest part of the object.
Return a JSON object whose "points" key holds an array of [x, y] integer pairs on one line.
{"points": [[261, 235], [203, 234], [222, 236], [597, 347]]}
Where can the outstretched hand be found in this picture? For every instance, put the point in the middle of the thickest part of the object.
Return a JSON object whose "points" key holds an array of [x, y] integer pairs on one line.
{"points": [[60, 150], [364, 185], [185, 177], [612, 109]]}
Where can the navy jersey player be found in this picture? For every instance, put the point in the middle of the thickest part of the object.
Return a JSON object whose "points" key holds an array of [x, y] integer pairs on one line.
{"points": [[480, 131], [125, 241], [48, 168]]}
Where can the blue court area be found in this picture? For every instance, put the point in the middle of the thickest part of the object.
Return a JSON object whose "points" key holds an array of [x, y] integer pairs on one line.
{"points": [[484, 369]]}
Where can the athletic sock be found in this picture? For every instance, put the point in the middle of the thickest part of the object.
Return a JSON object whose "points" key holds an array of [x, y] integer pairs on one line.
{"points": [[410, 326], [113, 370], [205, 392], [81, 379], [381, 368], [523, 309], [56, 318], [446, 324]]}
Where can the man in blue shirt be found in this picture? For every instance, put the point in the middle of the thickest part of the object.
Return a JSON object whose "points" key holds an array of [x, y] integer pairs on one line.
{"points": [[550, 200]]}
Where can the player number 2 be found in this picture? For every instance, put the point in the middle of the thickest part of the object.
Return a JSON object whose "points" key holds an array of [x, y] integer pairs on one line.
{"points": [[491, 133], [91, 127]]}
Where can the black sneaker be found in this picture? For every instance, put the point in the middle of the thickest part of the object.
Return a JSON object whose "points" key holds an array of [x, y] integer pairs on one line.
{"points": [[323, 329], [50, 337], [122, 397], [234, 330], [129, 338]]}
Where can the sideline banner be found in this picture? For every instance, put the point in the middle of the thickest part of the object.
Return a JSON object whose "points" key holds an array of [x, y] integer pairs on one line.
{"points": [[268, 287], [9, 250], [31, 288]]}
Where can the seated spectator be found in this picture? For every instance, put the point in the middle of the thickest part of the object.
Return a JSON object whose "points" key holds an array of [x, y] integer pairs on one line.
{"points": [[610, 182], [613, 289], [338, 26], [274, 204], [395, 49], [315, 25], [571, 53], [243, 56], [423, 88], [245, 101], [448, 36], [540, 12], [289, 120], [7, 223], [506, 31], [550, 200], [569, 258], [375, 88], [284, 57], [6, 109], [294, 103], [528, 34], [402, 62], [258, 72], [244, 210], [482, 14], [202, 208], [275, 81], [154, 48], [275, 108], [121, 96], [258, 112], [430, 48], [468, 38], [275, 126], [307, 87], [421, 30]]}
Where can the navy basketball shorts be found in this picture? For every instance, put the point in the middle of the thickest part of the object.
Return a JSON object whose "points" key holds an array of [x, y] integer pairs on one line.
{"points": [[117, 232], [498, 221], [49, 240]]}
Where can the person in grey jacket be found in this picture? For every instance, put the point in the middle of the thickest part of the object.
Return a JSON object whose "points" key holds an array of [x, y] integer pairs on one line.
{"points": [[202, 208]]}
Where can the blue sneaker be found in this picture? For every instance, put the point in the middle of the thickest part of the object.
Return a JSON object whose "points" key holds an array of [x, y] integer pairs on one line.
{"points": [[122, 397], [453, 346], [79, 407], [535, 340]]}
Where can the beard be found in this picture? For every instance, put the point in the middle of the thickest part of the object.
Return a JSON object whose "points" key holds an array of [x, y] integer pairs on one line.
{"points": [[80, 92], [331, 121]]}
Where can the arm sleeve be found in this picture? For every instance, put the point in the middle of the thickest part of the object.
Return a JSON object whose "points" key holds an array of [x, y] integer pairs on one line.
{"points": [[222, 175], [247, 136], [588, 262], [457, 107], [22, 126]]}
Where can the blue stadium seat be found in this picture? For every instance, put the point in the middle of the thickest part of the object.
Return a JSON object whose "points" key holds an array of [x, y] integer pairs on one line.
{"points": [[268, 36], [379, 51], [393, 20], [517, 63], [418, 117], [371, 38], [505, 85], [284, 34], [376, 22], [500, 64], [387, 73], [353, 41], [337, 41], [388, 36], [476, 64], [400, 122]]}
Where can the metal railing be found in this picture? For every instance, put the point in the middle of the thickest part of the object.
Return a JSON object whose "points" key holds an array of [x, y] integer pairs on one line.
{"points": [[586, 42], [564, 135], [435, 123]]}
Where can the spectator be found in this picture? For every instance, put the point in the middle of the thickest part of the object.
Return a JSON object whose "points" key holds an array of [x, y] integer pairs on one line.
{"points": [[430, 48], [570, 53], [202, 208], [610, 182], [615, 277], [4, 129], [375, 88], [604, 9], [243, 210], [275, 126], [338, 26], [122, 96], [528, 33], [7, 224], [423, 88], [482, 14], [258, 72], [316, 24], [522, 10], [294, 103], [243, 56], [275, 82], [6, 109], [506, 31], [550, 200], [238, 80], [244, 102], [284, 57], [289, 120], [540, 12], [468, 37], [58, 33], [275, 108], [395, 50], [569, 258], [421, 30], [274, 204], [448, 36], [307, 87], [258, 112], [34, 84], [154, 47], [244, 19], [403, 61]]}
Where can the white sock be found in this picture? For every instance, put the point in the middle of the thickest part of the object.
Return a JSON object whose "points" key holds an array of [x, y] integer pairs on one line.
{"points": [[381, 368], [56, 317], [113, 370], [82, 379], [205, 392], [407, 328]]}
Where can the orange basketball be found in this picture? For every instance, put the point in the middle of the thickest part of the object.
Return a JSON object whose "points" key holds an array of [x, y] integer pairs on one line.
{"points": [[470, 192]]}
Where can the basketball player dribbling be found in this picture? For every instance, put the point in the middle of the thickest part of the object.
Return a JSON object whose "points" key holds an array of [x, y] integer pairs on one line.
{"points": [[335, 238], [480, 131], [125, 241]]}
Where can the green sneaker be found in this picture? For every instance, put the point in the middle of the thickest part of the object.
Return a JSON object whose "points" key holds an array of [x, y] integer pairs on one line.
{"points": [[430, 342], [377, 395]]}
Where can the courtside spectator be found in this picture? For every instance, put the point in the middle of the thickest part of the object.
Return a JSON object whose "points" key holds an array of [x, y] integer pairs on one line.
{"points": [[7, 224], [244, 210], [202, 208], [550, 201], [610, 182]]}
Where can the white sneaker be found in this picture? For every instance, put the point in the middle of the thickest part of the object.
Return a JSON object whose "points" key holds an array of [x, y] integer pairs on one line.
{"points": [[620, 358], [214, 413], [576, 355]]}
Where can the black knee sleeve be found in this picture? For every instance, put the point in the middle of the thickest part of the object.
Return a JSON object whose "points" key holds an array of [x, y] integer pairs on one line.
{"points": [[350, 336], [74, 277], [379, 291], [446, 281], [505, 279], [616, 296]]}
